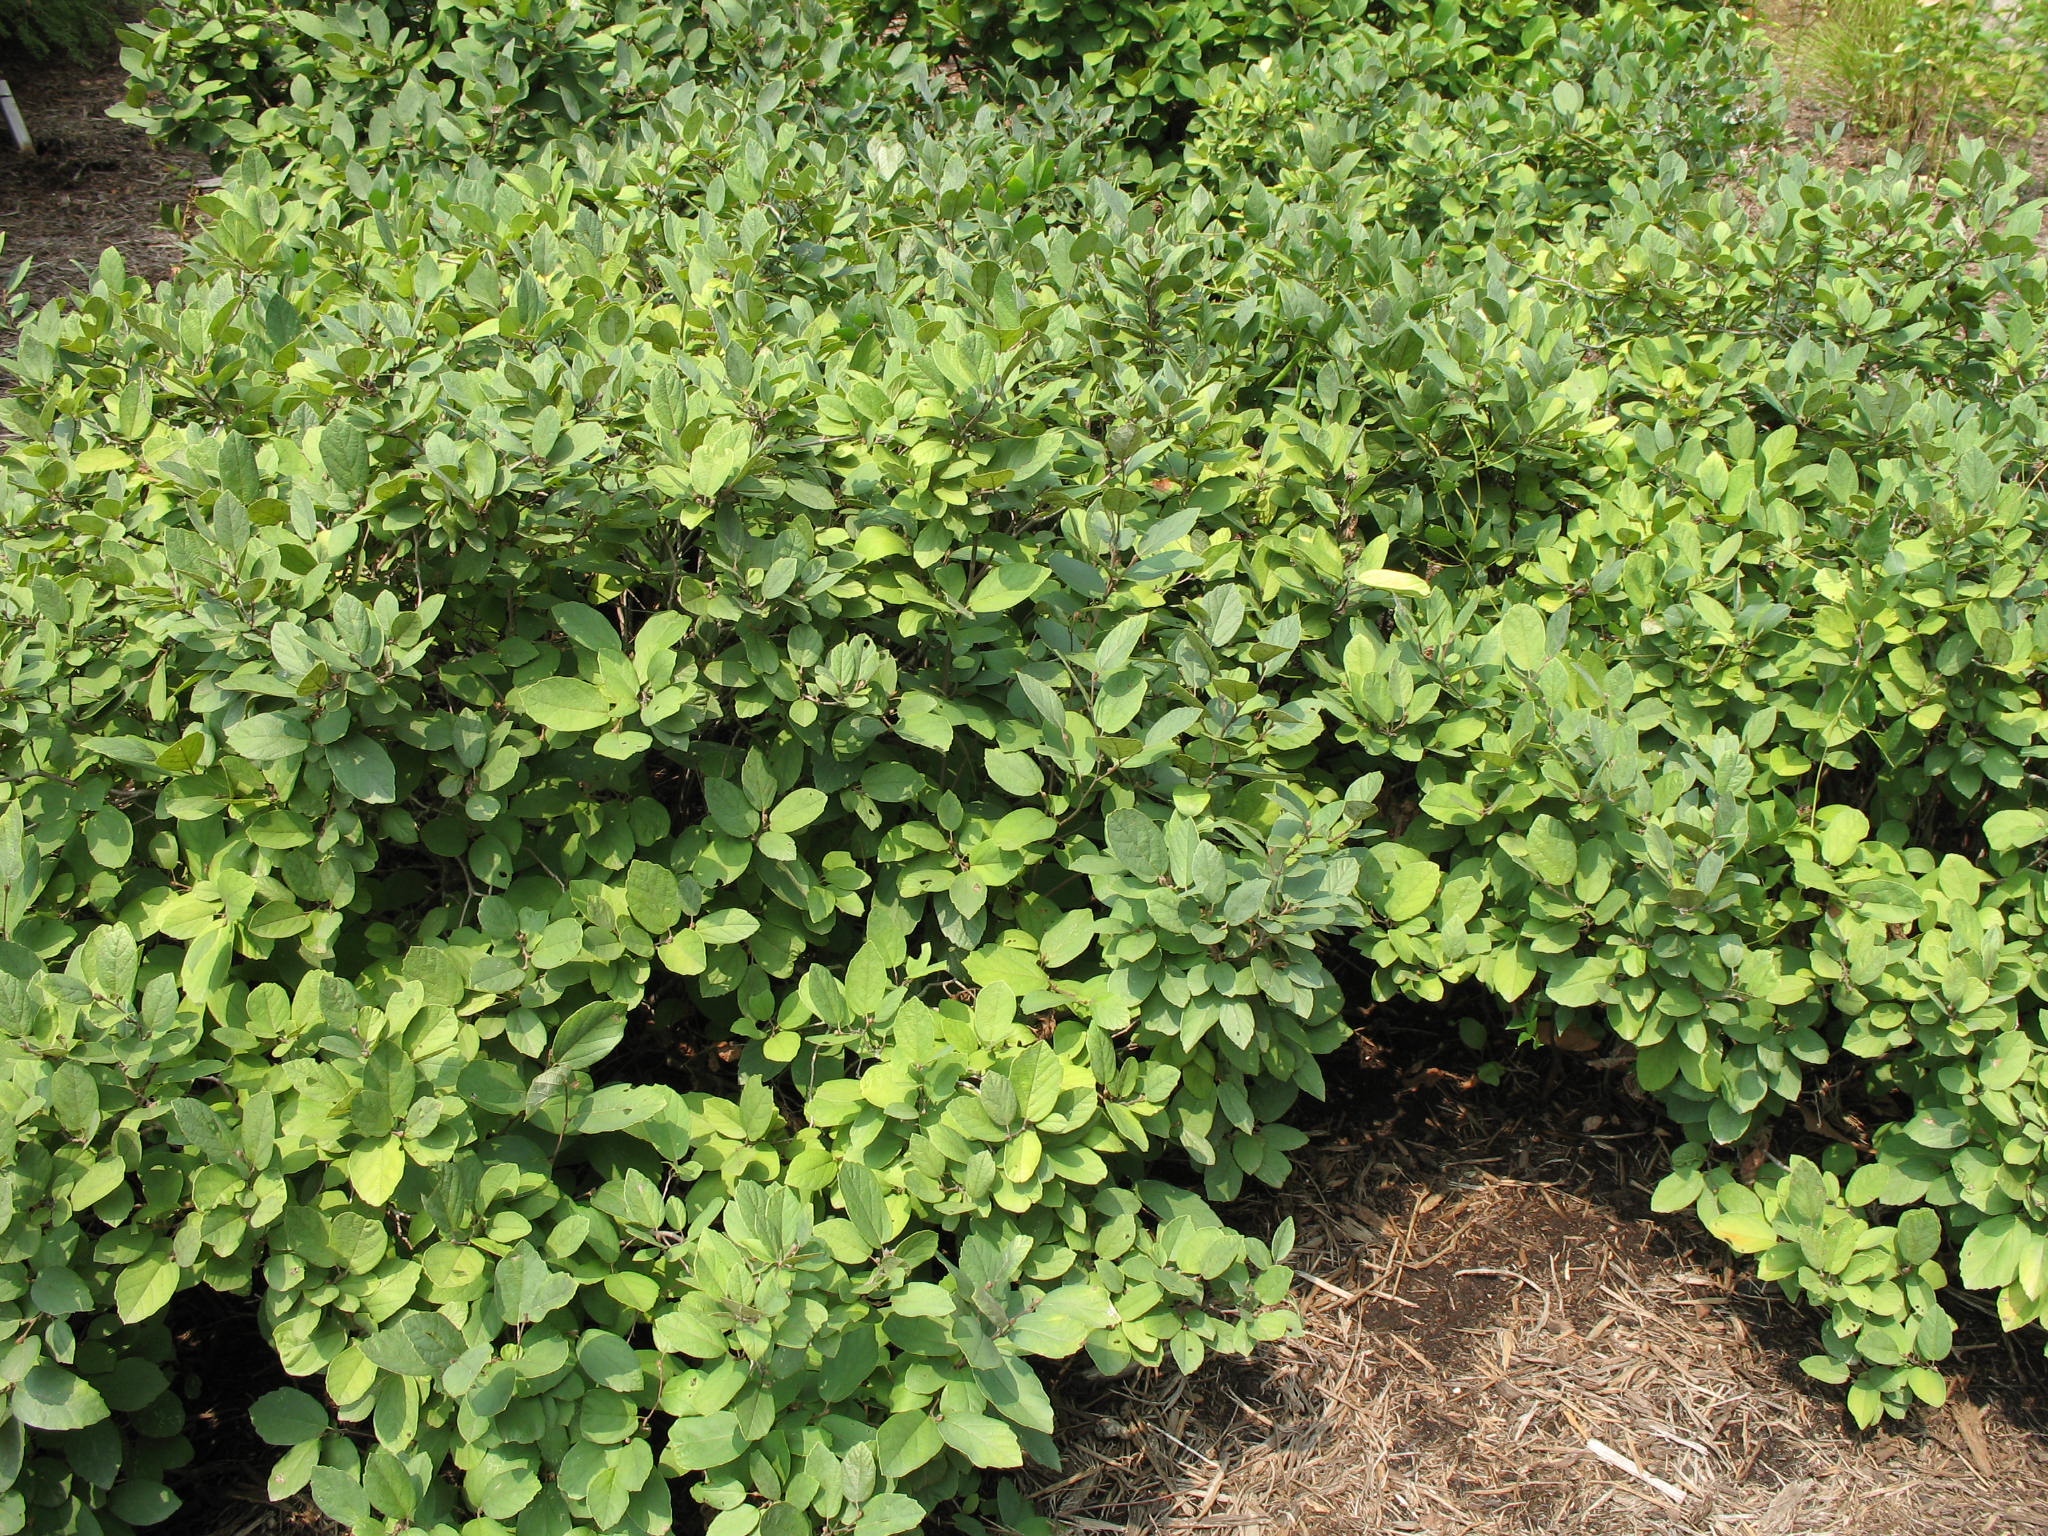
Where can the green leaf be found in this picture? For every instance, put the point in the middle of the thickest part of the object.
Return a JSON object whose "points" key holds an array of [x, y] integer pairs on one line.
{"points": [[1580, 982], [1020, 829], [293, 1471], [1060, 1322], [2005, 830], [653, 897], [701, 1443], [1510, 972], [59, 1292], [1937, 1128], [1677, 1191], [1919, 1235], [143, 1501], [588, 628], [50, 1397], [730, 810], [1843, 834], [2005, 1060], [1744, 1231], [891, 783], [563, 704], [1005, 587], [866, 1202], [1991, 1255], [1400, 582], [728, 925], [609, 1361], [340, 1497], [528, 1290], [921, 1298], [1066, 939], [363, 768], [1825, 1368], [889, 1514], [905, 1442], [374, 1170], [984, 1441], [1550, 851], [109, 838], [797, 810], [345, 455], [183, 755], [287, 1416], [421, 1344], [588, 1035], [1411, 891], [1137, 842], [722, 457], [1525, 639], [1016, 772], [272, 737], [145, 1287]]}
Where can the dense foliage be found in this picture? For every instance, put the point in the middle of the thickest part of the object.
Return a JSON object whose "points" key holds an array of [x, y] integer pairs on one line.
{"points": [[1153, 56], [672, 786], [72, 29]]}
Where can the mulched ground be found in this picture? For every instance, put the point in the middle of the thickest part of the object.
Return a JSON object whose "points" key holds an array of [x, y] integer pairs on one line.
{"points": [[92, 183], [1486, 1296]]}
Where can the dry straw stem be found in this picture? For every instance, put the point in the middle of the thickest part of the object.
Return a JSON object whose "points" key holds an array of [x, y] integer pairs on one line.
{"points": [[1482, 1299]]}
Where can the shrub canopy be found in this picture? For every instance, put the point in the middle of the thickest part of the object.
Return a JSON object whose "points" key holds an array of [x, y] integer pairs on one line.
{"points": [[689, 728]]}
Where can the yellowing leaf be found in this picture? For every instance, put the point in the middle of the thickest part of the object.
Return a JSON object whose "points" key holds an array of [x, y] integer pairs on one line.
{"points": [[1391, 581], [1005, 587], [375, 1169]]}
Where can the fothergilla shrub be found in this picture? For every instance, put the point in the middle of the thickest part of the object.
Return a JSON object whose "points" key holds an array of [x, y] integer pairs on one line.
{"points": [[1149, 56], [682, 792], [77, 30], [437, 79]]}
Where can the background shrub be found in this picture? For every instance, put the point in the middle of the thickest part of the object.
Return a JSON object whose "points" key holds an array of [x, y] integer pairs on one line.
{"points": [[1926, 74], [1152, 55], [428, 78], [71, 29]]}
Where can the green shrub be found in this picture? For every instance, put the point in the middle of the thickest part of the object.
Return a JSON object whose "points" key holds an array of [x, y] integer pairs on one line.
{"points": [[447, 78], [671, 788], [1439, 124], [1150, 54], [1928, 71], [80, 30]]}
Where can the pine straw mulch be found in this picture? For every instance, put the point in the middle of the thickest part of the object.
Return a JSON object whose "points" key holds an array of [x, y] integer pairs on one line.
{"points": [[1485, 1294], [92, 183]]}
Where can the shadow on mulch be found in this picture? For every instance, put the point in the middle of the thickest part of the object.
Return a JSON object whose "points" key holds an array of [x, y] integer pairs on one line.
{"points": [[1486, 1295]]}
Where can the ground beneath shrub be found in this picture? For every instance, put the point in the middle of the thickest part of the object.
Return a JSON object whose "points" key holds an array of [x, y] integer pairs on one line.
{"points": [[1487, 1298], [93, 183]]}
